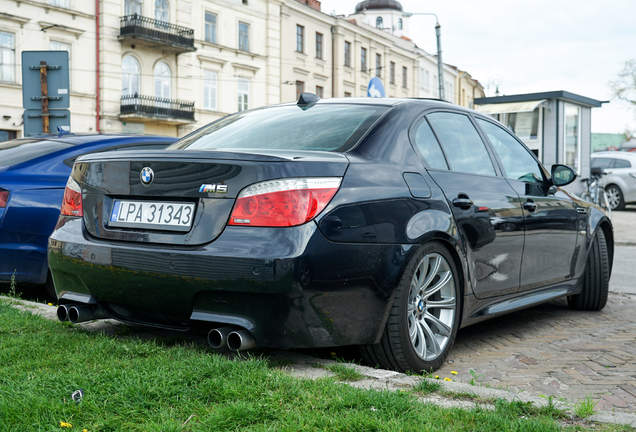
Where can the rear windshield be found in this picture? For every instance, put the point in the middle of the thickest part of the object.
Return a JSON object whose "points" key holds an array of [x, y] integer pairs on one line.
{"points": [[329, 127], [18, 151]]}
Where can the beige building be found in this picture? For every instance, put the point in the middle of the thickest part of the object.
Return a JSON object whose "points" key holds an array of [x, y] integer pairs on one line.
{"points": [[171, 66]]}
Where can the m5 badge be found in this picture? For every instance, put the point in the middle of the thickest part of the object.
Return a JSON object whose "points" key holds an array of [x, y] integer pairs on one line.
{"points": [[212, 188]]}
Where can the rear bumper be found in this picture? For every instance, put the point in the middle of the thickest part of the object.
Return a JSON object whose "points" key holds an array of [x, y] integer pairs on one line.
{"points": [[290, 286]]}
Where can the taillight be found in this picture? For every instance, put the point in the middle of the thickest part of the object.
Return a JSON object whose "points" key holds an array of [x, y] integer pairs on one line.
{"points": [[4, 198], [279, 203], [72, 201]]}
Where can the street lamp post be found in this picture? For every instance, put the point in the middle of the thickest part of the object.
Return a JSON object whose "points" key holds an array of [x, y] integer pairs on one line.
{"points": [[440, 64]]}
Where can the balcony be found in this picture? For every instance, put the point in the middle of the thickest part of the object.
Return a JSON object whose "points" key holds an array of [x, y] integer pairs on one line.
{"points": [[167, 110], [152, 33]]}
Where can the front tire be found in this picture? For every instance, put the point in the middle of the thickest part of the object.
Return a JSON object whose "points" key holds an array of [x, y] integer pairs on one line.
{"points": [[424, 317], [595, 278]]}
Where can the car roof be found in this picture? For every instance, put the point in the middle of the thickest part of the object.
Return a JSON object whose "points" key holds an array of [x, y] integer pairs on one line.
{"points": [[615, 154]]}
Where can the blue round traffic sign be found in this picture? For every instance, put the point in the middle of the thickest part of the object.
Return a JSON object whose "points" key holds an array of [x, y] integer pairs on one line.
{"points": [[375, 88]]}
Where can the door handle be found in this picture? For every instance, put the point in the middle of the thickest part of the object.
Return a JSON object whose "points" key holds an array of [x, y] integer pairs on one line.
{"points": [[463, 203], [530, 206]]}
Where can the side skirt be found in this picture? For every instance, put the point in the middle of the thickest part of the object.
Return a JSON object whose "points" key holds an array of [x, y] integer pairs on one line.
{"points": [[476, 310]]}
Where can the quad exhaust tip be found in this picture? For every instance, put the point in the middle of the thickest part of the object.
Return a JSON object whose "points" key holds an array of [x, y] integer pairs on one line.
{"points": [[62, 313], [82, 313], [217, 338], [240, 340]]}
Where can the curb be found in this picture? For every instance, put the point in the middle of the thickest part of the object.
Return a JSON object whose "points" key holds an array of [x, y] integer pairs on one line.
{"points": [[624, 243], [304, 367]]}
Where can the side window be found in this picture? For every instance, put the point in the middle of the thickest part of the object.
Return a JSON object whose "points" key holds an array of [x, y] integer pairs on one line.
{"points": [[621, 163], [462, 144], [599, 162], [516, 160], [427, 144]]}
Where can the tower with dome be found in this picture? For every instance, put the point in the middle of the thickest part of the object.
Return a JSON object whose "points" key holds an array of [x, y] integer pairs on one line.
{"points": [[386, 15]]}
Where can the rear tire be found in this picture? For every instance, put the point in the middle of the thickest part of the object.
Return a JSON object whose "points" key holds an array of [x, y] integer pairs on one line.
{"points": [[595, 278], [49, 287], [425, 315], [615, 197]]}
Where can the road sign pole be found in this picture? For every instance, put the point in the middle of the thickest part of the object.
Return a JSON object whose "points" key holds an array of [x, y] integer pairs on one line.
{"points": [[45, 97]]}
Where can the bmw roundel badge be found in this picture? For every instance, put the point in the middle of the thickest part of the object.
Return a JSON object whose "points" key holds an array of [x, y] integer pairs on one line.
{"points": [[147, 176]]}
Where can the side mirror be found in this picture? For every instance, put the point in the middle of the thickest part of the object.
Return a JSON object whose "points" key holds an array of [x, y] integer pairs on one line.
{"points": [[562, 175]]}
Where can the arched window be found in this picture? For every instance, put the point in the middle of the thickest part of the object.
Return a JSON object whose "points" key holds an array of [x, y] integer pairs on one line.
{"points": [[130, 75], [162, 10], [400, 24], [163, 79], [379, 23]]}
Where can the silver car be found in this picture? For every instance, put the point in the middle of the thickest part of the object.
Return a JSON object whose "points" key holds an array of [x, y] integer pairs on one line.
{"points": [[620, 178]]}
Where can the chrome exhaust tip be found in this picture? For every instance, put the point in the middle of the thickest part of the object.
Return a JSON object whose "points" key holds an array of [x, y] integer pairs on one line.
{"points": [[240, 340], [62, 313], [82, 313], [217, 338]]}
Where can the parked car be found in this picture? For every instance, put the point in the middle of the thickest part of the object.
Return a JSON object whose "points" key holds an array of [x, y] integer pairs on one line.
{"points": [[620, 176], [33, 174], [383, 223]]}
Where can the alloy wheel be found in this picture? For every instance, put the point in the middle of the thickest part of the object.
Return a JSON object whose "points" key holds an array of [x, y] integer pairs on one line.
{"points": [[431, 306], [613, 196]]}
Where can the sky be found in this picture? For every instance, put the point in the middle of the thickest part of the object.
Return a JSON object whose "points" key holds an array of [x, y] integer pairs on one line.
{"points": [[532, 46]]}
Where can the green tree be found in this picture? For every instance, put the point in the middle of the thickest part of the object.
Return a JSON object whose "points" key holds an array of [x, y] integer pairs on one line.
{"points": [[624, 87]]}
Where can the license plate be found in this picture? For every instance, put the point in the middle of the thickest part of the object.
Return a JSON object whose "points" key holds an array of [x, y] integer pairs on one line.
{"points": [[173, 216]]}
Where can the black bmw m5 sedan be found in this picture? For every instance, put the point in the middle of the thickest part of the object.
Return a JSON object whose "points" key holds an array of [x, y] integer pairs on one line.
{"points": [[383, 223]]}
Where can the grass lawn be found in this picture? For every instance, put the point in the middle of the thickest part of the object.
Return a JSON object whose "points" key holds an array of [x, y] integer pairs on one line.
{"points": [[131, 385]]}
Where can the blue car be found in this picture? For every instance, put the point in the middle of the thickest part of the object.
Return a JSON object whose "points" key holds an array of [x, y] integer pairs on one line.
{"points": [[33, 174]]}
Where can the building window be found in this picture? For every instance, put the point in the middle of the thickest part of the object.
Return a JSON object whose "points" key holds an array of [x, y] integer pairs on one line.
{"points": [[132, 7], [379, 23], [162, 10], [404, 76], [130, 75], [243, 94], [318, 45], [300, 38], [210, 27], [163, 82], [6, 135], [7, 57], [300, 88], [392, 73], [573, 137], [363, 59], [244, 36], [347, 54], [60, 46], [320, 91], [400, 24], [59, 3], [347, 94], [209, 90], [378, 65]]}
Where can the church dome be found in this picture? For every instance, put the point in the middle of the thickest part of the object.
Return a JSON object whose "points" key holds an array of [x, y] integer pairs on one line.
{"points": [[378, 4]]}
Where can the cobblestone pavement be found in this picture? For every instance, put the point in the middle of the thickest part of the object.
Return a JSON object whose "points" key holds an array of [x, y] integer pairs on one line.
{"points": [[551, 350]]}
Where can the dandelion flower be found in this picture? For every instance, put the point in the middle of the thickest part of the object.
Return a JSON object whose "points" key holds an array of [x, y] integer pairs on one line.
{"points": [[447, 379], [65, 425], [454, 373], [50, 304], [333, 353], [436, 376]]}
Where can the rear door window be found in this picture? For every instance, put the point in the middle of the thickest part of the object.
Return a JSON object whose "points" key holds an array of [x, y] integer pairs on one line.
{"points": [[427, 144], [462, 144], [23, 150], [621, 163]]}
